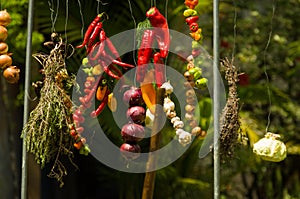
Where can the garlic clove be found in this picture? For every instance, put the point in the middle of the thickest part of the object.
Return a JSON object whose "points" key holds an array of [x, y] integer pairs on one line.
{"points": [[178, 124], [168, 87]]}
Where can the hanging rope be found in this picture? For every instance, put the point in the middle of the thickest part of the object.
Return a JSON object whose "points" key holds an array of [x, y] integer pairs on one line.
{"points": [[82, 20], [266, 68], [66, 22], [234, 31], [52, 11]]}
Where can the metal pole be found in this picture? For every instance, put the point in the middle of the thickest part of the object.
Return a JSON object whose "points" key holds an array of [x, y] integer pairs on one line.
{"points": [[216, 101], [26, 100]]}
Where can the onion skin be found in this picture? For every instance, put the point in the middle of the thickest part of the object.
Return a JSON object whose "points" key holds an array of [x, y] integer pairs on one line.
{"points": [[5, 61], [5, 18], [130, 151], [132, 132], [11, 74], [136, 114], [133, 97], [3, 33], [3, 48]]}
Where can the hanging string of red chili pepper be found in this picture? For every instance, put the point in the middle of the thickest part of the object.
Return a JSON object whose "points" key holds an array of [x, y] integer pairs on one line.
{"points": [[156, 30], [101, 65]]}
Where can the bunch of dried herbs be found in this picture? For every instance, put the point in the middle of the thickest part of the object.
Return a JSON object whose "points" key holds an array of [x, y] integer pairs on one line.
{"points": [[46, 132]]}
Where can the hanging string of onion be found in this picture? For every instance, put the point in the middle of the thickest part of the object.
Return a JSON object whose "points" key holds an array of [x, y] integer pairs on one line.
{"points": [[47, 130]]}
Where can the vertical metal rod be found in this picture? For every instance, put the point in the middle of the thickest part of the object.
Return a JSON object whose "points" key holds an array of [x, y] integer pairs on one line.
{"points": [[216, 101], [26, 100]]}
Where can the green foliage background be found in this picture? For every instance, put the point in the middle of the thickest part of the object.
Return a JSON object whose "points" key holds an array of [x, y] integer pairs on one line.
{"points": [[263, 37]]}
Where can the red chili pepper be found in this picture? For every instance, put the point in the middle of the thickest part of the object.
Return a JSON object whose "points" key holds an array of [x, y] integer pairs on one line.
{"points": [[79, 129], [87, 98], [106, 69], [144, 54], [114, 61], [78, 118], [116, 70], [194, 27], [122, 64], [100, 49], [162, 34], [102, 105], [159, 68], [73, 133], [90, 30], [87, 91], [93, 36], [78, 112], [112, 48], [191, 19]]}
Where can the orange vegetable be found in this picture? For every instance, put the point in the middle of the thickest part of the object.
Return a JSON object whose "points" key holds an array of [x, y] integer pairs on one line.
{"points": [[196, 35], [149, 91], [112, 102], [191, 3], [78, 145], [101, 92]]}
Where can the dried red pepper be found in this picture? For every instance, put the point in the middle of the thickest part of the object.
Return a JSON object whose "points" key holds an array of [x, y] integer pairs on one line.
{"points": [[110, 59], [112, 48], [144, 54], [106, 69], [102, 105], [93, 36], [162, 34], [191, 20], [194, 27], [159, 68], [89, 30]]}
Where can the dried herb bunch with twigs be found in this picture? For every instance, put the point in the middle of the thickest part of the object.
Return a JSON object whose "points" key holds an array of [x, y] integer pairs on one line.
{"points": [[47, 130], [229, 122]]}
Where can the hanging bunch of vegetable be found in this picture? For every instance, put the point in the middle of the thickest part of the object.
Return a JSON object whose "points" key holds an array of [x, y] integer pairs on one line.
{"points": [[193, 72], [133, 131], [46, 132], [10, 72], [155, 29], [103, 67]]}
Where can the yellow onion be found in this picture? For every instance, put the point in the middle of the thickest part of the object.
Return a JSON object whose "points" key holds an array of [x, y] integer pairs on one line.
{"points": [[3, 33], [5, 18], [3, 48], [11, 74], [5, 61]]}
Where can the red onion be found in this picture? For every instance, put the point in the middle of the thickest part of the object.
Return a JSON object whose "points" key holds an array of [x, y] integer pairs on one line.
{"points": [[136, 114], [132, 132], [130, 151], [133, 97]]}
